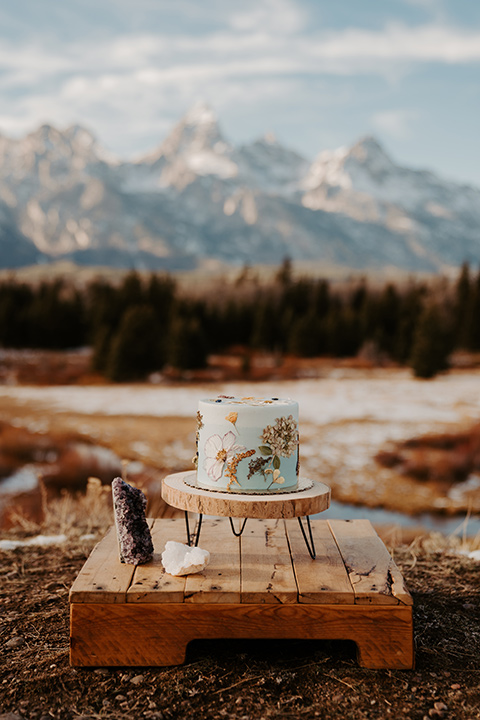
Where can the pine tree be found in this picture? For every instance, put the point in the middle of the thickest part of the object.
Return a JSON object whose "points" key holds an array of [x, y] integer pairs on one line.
{"points": [[472, 317], [307, 336], [431, 345], [135, 348], [187, 347], [462, 304]]}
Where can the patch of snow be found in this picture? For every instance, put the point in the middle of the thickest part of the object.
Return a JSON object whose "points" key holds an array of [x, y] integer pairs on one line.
{"points": [[23, 480], [200, 114], [105, 457], [37, 541], [176, 452], [457, 491], [206, 162], [391, 396], [135, 467]]}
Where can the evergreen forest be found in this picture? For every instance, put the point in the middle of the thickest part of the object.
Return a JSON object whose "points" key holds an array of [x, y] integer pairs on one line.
{"points": [[145, 323]]}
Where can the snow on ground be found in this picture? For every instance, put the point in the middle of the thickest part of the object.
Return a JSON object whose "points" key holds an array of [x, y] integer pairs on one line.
{"points": [[385, 396], [38, 540]]}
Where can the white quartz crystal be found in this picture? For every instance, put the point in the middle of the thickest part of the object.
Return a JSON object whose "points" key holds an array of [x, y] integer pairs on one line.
{"points": [[179, 559]]}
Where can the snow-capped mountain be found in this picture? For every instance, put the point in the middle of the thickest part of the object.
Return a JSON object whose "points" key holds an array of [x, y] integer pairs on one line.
{"points": [[197, 196]]}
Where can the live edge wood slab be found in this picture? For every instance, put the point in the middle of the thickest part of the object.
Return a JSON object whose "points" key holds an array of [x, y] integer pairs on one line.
{"points": [[261, 585]]}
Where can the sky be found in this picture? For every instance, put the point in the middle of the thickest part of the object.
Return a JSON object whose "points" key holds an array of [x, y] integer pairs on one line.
{"points": [[318, 74]]}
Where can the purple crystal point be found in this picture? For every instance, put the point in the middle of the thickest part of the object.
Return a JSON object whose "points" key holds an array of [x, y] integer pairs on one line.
{"points": [[133, 533]]}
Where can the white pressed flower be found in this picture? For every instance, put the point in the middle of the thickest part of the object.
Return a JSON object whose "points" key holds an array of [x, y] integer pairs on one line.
{"points": [[218, 451]]}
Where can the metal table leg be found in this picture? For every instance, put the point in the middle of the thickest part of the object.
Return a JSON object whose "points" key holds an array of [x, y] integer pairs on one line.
{"points": [[310, 544], [237, 534], [194, 538]]}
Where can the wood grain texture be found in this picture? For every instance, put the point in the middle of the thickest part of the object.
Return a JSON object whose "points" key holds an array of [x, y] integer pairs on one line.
{"points": [[150, 582], [158, 634], [267, 573], [220, 581], [227, 504], [103, 578], [374, 576], [324, 580]]}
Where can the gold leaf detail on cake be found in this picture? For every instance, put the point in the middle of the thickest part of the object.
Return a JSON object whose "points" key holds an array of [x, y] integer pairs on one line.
{"points": [[231, 471]]}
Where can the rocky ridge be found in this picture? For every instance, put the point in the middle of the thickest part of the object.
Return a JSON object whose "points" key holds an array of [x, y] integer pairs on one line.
{"points": [[199, 197]]}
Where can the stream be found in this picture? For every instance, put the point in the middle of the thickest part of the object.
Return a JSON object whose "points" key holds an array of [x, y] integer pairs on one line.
{"points": [[433, 522]]}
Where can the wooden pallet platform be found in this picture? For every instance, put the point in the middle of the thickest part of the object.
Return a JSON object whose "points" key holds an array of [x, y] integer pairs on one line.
{"points": [[261, 585]]}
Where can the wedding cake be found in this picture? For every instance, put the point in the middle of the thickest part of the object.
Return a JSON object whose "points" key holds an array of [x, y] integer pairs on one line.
{"points": [[247, 444]]}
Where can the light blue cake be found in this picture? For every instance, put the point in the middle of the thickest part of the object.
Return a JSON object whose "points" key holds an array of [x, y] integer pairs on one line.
{"points": [[247, 444]]}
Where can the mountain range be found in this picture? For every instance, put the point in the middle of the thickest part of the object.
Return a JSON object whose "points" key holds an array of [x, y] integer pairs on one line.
{"points": [[198, 197]]}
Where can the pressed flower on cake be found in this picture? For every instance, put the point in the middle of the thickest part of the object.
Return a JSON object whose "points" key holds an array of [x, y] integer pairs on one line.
{"points": [[218, 451]]}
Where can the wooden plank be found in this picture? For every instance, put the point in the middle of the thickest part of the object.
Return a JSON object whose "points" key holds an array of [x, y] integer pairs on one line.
{"points": [[103, 578], [147, 634], [267, 573], [220, 581], [325, 579], [150, 582], [374, 576]]}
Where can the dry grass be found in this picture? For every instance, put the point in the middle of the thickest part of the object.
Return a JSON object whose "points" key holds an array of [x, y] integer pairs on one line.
{"points": [[443, 457], [72, 515]]}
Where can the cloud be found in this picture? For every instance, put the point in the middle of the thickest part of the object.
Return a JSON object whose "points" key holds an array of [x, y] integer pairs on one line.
{"points": [[277, 16], [395, 123], [248, 47], [398, 42], [264, 49]]}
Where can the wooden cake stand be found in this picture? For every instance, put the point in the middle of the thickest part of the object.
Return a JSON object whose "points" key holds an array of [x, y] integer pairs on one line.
{"points": [[311, 497]]}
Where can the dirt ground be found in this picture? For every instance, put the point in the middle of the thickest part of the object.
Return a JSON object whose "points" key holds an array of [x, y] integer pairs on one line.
{"points": [[247, 680]]}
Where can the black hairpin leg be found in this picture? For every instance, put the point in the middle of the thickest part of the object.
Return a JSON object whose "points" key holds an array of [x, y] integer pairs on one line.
{"points": [[310, 545], [194, 538], [237, 534]]}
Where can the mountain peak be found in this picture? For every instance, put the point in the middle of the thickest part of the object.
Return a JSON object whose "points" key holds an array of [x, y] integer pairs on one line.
{"points": [[200, 114], [81, 135], [197, 132], [368, 152], [369, 143]]}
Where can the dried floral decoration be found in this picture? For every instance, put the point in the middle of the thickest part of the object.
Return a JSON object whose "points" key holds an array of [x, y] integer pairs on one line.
{"points": [[280, 439], [231, 471], [197, 437], [257, 466], [219, 451]]}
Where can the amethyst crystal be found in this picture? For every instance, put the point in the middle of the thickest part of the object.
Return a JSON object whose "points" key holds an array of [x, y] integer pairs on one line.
{"points": [[133, 533]]}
